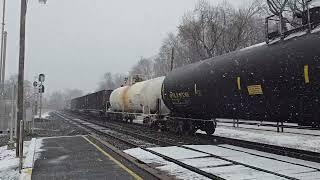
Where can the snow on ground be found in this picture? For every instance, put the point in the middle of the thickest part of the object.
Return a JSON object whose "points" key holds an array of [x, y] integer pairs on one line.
{"points": [[33, 150], [43, 115], [138, 120], [269, 128], [9, 169], [199, 160], [297, 141], [163, 165], [8, 164], [274, 163]]}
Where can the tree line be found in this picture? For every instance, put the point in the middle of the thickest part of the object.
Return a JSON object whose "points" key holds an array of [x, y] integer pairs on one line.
{"points": [[206, 31], [212, 30]]}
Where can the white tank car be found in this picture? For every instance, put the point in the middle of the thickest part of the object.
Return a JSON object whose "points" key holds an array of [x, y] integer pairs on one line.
{"points": [[139, 98]]}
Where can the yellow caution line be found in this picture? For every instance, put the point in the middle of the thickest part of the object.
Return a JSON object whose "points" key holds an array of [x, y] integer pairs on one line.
{"points": [[239, 83], [306, 74], [134, 175]]}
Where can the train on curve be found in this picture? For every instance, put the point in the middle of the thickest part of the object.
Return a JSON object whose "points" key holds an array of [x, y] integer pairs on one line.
{"points": [[278, 81]]}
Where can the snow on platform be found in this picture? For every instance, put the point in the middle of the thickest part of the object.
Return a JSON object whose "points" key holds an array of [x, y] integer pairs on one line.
{"points": [[296, 141], [9, 164]]}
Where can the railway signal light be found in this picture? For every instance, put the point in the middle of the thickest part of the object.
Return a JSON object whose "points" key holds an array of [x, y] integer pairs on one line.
{"points": [[41, 77], [35, 84], [41, 89]]}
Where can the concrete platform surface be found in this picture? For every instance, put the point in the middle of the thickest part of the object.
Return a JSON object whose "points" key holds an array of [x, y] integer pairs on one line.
{"points": [[77, 158]]}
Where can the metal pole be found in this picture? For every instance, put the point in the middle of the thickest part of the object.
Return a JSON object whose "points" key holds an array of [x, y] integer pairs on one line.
{"points": [[21, 68], [2, 38], [172, 58], [40, 102], [11, 142], [308, 14], [4, 54], [34, 106], [21, 146]]}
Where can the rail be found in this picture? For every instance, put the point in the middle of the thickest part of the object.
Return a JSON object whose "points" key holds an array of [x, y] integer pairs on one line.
{"points": [[215, 156]]}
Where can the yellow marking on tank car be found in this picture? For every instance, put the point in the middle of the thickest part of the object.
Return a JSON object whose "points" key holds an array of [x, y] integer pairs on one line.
{"points": [[179, 95], [255, 89], [306, 74], [239, 83]]}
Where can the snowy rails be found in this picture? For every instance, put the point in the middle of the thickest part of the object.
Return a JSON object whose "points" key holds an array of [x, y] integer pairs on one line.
{"points": [[280, 150], [191, 168], [221, 157], [275, 149]]}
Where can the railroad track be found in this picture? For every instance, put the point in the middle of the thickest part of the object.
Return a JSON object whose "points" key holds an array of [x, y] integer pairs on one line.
{"points": [[213, 139], [97, 127]]}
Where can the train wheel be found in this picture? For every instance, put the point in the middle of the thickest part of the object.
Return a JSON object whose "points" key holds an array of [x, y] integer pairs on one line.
{"points": [[210, 127], [190, 129]]}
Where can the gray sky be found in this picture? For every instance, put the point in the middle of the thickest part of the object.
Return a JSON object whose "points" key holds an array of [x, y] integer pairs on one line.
{"points": [[75, 41]]}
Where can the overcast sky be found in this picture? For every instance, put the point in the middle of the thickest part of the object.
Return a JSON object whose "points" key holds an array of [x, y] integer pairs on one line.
{"points": [[75, 41]]}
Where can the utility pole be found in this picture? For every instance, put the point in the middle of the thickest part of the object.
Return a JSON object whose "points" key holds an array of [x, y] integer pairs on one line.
{"points": [[13, 110], [21, 70], [172, 58], [41, 90], [34, 103], [40, 107], [2, 40], [4, 56]]}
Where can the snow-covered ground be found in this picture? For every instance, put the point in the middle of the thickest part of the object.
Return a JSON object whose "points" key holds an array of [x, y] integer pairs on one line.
{"points": [[295, 138], [270, 128], [297, 141], [224, 168], [43, 115], [9, 164], [163, 165]]}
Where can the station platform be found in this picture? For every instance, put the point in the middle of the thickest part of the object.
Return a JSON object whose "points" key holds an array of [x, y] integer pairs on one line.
{"points": [[77, 157]]}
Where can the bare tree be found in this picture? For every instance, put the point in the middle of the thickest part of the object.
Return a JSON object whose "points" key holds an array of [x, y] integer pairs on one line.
{"points": [[106, 82], [143, 67], [118, 79], [59, 99], [243, 27], [56, 100], [111, 81], [162, 61], [277, 7], [209, 31]]}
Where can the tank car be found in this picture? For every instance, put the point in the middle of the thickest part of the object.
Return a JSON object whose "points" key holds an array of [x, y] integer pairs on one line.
{"points": [[142, 97], [278, 82]]}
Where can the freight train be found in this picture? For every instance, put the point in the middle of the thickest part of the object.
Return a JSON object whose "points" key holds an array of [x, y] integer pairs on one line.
{"points": [[273, 81]]}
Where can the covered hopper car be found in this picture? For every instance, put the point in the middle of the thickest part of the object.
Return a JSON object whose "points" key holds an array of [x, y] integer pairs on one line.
{"points": [[96, 103]]}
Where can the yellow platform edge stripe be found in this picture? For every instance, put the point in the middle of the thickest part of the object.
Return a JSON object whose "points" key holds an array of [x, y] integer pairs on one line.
{"points": [[134, 175]]}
